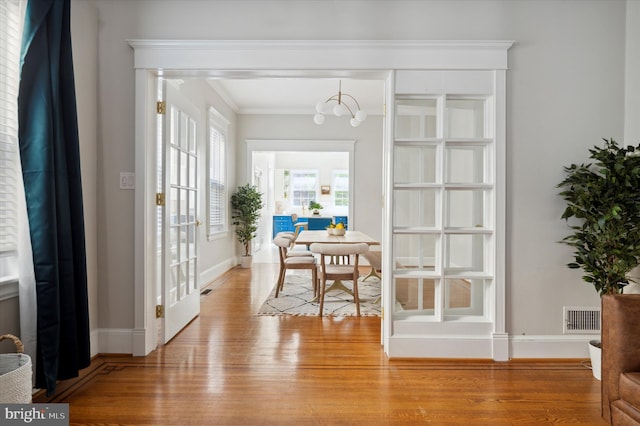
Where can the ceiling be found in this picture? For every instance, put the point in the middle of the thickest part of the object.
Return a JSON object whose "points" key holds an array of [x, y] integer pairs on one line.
{"points": [[285, 95]]}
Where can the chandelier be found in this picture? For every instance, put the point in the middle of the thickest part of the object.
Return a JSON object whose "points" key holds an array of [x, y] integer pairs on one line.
{"points": [[345, 104]]}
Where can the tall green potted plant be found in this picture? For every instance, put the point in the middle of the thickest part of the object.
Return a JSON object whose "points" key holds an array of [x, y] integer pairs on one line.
{"points": [[603, 208], [603, 213], [246, 204]]}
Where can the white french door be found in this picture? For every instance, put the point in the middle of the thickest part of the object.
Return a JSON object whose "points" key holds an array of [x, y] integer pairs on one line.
{"points": [[179, 277]]}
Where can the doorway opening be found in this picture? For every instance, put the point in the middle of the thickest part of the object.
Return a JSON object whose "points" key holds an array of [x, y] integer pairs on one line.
{"points": [[267, 161], [289, 180]]}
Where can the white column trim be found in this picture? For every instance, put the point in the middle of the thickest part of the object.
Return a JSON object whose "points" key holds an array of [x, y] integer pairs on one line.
{"points": [[144, 340], [500, 348]]}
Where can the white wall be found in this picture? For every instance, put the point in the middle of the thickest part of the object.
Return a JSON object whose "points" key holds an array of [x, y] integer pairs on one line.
{"points": [[632, 71], [84, 36], [565, 91]]}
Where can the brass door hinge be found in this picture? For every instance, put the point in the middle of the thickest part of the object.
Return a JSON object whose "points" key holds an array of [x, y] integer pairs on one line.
{"points": [[160, 199], [161, 107], [159, 311]]}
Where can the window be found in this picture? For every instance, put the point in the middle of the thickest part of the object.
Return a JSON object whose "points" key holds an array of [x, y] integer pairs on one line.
{"points": [[217, 178], [304, 187], [10, 34], [341, 188]]}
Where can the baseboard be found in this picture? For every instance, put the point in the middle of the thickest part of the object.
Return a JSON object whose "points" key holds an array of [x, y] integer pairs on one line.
{"points": [[115, 341], [440, 347], [551, 346], [529, 347], [210, 274], [94, 341]]}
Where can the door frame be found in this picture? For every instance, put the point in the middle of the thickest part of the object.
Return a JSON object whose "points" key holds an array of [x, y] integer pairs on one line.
{"points": [[273, 58]]}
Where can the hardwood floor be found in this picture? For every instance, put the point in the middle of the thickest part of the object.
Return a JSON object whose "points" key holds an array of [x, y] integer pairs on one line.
{"points": [[232, 367]]}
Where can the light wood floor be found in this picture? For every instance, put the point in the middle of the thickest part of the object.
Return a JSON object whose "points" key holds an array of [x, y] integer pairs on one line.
{"points": [[231, 367]]}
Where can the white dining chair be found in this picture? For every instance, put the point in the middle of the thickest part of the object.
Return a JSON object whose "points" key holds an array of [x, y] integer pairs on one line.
{"points": [[294, 250], [294, 262], [332, 271]]}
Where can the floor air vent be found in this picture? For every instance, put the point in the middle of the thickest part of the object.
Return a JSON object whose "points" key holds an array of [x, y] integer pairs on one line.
{"points": [[581, 320]]}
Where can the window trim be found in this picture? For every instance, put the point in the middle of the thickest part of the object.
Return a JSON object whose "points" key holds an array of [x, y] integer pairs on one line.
{"points": [[12, 18], [291, 186], [217, 122], [335, 188]]}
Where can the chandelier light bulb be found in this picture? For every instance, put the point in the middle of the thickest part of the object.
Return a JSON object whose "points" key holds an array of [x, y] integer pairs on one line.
{"points": [[346, 105]]}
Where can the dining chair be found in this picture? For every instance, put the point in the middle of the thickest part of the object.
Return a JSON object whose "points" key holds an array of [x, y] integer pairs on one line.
{"points": [[293, 250], [288, 262], [300, 226], [335, 272]]}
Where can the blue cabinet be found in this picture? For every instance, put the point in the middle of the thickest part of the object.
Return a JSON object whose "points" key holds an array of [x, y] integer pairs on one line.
{"points": [[318, 223], [282, 223]]}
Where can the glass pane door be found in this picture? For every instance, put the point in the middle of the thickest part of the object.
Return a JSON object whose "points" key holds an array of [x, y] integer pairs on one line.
{"points": [[181, 292], [182, 206]]}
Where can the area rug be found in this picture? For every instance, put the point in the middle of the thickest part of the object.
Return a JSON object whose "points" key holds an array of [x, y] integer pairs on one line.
{"points": [[296, 298]]}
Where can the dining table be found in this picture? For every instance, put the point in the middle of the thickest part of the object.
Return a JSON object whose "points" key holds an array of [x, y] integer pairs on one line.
{"points": [[350, 237], [323, 237]]}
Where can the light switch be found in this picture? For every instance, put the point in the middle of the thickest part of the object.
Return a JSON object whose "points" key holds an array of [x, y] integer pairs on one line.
{"points": [[127, 180]]}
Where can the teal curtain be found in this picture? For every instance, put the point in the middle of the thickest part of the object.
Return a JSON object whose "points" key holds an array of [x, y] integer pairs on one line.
{"points": [[50, 155]]}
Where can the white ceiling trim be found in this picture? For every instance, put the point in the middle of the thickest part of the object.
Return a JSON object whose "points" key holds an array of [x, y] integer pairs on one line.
{"points": [[224, 95], [238, 55]]}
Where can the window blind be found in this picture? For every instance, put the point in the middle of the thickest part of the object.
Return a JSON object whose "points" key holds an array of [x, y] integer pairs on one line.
{"points": [[304, 187], [10, 32], [217, 175], [341, 187]]}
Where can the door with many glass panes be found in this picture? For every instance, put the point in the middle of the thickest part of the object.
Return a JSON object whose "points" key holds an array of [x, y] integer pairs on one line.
{"points": [[180, 288], [443, 247]]}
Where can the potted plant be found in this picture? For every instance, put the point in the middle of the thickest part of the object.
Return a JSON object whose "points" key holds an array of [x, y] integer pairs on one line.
{"points": [[315, 207], [246, 204], [603, 212]]}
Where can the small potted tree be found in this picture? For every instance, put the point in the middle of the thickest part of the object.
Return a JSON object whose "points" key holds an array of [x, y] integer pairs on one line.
{"points": [[246, 204], [603, 212]]}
